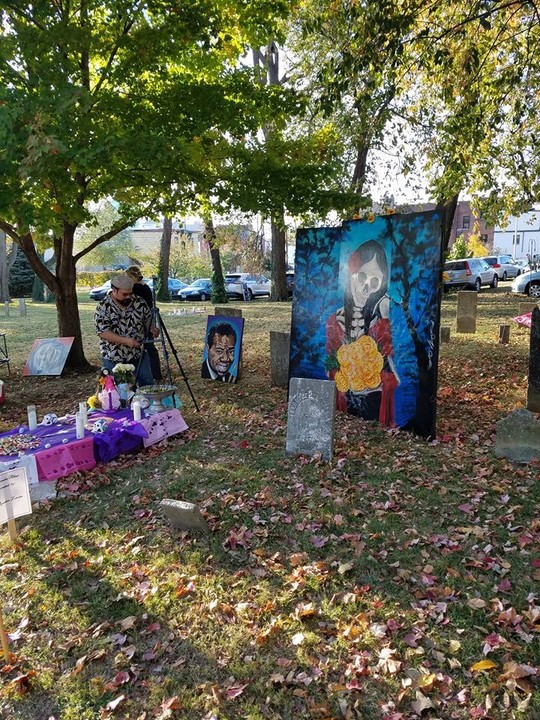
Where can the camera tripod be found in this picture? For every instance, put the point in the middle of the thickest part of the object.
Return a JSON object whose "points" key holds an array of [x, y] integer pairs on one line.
{"points": [[164, 339]]}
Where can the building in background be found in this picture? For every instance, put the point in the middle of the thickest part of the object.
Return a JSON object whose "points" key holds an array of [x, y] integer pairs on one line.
{"points": [[465, 223], [520, 236], [146, 234]]}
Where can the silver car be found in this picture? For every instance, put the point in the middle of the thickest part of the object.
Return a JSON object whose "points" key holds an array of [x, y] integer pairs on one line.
{"points": [[528, 283], [504, 265], [469, 273]]}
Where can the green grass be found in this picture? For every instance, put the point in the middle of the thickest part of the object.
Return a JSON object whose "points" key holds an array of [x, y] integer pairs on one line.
{"points": [[324, 590]]}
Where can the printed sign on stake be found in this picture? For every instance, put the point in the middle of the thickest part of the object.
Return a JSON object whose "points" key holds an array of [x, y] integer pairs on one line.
{"points": [[14, 495]]}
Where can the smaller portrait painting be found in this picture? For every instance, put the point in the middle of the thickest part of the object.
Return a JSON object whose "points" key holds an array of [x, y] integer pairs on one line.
{"points": [[222, 348], [48, 356]]}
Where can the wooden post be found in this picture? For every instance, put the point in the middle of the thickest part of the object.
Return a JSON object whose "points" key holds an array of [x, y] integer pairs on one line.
{"points": [[504, 334], [12, 528], [4, 639]]}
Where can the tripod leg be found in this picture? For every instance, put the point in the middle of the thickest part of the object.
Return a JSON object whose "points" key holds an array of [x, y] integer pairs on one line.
{"points": [[166, 337]]}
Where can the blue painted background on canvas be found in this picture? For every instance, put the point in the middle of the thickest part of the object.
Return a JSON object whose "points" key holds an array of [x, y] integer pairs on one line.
{"points": [[373, 288]]}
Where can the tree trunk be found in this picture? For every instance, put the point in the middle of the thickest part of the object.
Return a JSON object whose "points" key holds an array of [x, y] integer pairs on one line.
{"points": [[279, 282], [448, 209], [164, 258], [218, 282], [6, 262]]}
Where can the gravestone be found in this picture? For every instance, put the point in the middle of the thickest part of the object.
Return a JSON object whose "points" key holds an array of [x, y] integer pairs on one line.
{"points": [[518, 437], [184, 515], [310, 420], [504, 334], [466, 311], [22, 307], [41, 491], [526, 307], [445, 334], [533, 390], [227, 310], [280, 344]]}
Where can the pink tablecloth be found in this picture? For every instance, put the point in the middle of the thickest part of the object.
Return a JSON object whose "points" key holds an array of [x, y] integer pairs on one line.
{"points": [[62, 460]]}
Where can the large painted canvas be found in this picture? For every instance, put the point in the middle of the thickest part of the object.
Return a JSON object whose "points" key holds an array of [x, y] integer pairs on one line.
{"points": [[366, 314], [222, 348], [48, 356]]}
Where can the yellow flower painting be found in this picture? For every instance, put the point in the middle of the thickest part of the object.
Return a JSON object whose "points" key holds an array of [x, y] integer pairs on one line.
{"points": [[360, 365]]}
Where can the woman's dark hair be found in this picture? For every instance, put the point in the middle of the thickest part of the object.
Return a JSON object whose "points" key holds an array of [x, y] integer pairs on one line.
{"points": [[357, 259]]}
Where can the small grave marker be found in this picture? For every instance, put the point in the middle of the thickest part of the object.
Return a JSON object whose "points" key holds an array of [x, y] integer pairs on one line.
{"points": [[184, 515], [22, 307], [280, 344], [445, 334], [504, 334], [310, 421]]}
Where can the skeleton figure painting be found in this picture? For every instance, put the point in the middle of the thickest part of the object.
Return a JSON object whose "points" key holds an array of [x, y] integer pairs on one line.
{"points": [[366, 315]]}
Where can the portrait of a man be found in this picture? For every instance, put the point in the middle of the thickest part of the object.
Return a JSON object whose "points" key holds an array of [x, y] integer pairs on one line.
{"points": [[222, 349]]}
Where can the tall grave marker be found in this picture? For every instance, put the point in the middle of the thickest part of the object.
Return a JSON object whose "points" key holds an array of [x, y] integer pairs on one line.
{"points": [[467, 301], [280, 344], [533, 391]]}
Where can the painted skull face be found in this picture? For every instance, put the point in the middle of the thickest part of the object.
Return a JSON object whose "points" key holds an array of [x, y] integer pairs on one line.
{"points": [[366, 281], [100, 426], [49, 419]]}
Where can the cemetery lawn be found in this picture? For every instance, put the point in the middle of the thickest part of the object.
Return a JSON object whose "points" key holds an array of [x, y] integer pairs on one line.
{"points": [[398, 581]]}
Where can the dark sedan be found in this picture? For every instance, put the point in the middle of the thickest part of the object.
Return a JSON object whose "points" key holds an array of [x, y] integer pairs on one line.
{"points": [[200, 289]]}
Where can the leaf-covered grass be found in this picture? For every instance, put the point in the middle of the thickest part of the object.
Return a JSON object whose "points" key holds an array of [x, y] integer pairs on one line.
{"points": [[367, 587]]}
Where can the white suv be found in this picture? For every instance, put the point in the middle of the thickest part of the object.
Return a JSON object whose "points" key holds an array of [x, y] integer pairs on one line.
{"points": [[238, 285], [504, 266]]}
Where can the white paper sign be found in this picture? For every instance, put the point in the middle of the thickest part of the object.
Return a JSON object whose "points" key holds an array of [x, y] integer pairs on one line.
{"points": [[14, 495]]}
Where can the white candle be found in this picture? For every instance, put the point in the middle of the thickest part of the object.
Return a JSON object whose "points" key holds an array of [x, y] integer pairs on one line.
{"points": [[83, 410], [137, 413], [79, 425], [32, 417]]}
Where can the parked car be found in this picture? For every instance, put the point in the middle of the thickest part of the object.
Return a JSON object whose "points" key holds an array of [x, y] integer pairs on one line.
{"points": [[471, 273], [98, 293], [175, 285], [527, 283], [504, 266], [523, 264], [290, 283], [257, 285], [200, 289]]}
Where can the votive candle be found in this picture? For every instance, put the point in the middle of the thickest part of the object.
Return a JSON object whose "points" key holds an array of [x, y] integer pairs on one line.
{"points": [[137, 412], [83, 410], [79, 425], [32, 417]]}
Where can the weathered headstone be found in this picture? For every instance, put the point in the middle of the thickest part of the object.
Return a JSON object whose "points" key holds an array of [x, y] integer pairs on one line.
{"points": [[6, 308], [22, 307], [280, 344], [466, 311], [184, 515], [518, 437], [504, 334], [310, 421], [526, 307], [533, 390], [227, 311], [445, 334]]}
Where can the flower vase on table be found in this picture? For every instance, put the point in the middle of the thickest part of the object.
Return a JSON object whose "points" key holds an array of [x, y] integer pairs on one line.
{"points": [[124, 375]]}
